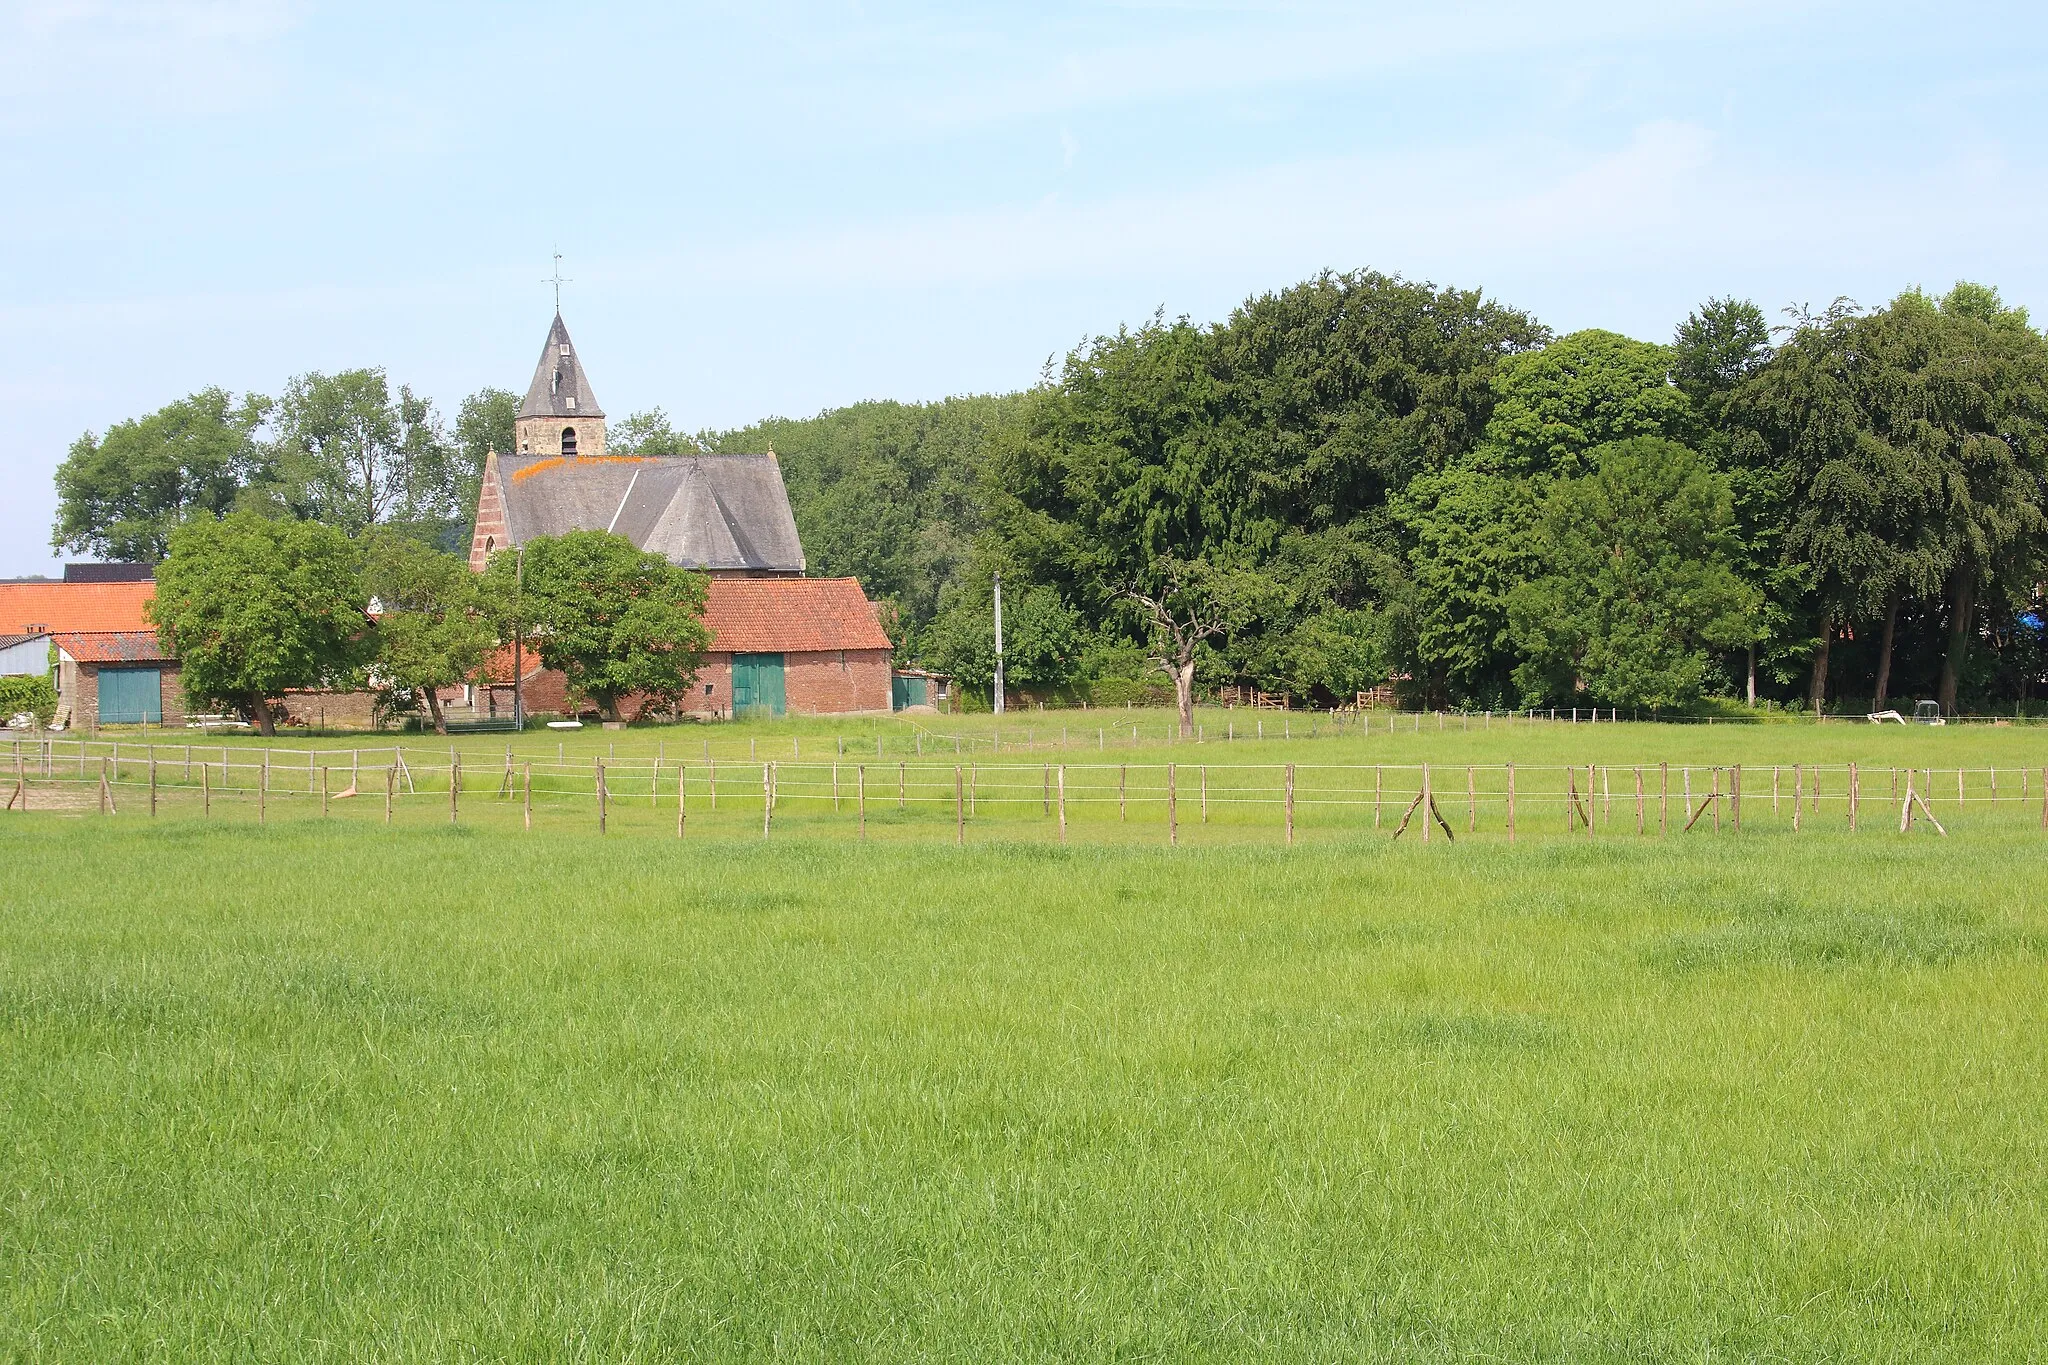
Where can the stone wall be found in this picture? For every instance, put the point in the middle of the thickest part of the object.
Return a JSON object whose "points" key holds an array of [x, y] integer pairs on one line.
{"points": [[543, 435]]}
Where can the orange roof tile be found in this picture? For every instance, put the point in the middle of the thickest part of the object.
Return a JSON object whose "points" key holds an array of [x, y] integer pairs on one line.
{"points": [[89, 607], [791, 615]]}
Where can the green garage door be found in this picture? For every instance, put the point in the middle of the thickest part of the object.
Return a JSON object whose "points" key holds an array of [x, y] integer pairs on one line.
{"points": [[131, 696], [757, 685]]}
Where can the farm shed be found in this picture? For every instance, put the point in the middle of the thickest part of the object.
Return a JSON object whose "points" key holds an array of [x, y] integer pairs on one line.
{"points": [[116, 678], [25, 654]]}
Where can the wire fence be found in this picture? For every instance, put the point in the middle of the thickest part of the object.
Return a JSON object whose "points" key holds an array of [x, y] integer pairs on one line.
{"points": [[1167, 801]]}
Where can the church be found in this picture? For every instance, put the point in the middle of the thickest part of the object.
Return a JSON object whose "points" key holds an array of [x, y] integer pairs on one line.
{"points": [[781, 641]]}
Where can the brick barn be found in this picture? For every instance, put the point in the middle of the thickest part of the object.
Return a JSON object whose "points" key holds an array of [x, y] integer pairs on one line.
{"points": [[110, 668], [780, 641]]}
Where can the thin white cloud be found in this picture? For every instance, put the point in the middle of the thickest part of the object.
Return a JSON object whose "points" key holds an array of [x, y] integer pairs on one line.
{"points": [[66, 60]]}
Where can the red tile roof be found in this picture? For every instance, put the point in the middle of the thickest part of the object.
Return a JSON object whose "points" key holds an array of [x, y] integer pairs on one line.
{"points": [[791, 616], [112, 646], [58, 607]]}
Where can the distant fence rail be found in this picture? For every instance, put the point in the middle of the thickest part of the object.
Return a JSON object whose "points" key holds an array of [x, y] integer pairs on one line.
{"points": [[908, 796]]}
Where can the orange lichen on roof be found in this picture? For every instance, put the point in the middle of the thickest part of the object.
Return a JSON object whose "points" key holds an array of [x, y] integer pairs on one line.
{"points": [[59, 607], [791, 615], [557, 461]]}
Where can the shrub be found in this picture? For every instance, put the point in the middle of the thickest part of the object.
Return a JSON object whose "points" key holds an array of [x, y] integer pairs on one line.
{"points": [[28, 694]]}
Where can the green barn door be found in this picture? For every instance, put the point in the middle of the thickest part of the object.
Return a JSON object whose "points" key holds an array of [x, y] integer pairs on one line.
{"points": [[131, 696], [757, 685]]}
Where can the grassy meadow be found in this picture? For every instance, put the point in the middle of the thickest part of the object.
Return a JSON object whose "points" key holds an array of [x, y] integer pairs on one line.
{"points": [[327, 1089]]}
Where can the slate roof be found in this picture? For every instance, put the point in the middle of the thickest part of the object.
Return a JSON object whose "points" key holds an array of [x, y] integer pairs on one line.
{"points": [[10, 641], [559, 388], [791, 615], [112, 647], [700, 511], [53, 607]]}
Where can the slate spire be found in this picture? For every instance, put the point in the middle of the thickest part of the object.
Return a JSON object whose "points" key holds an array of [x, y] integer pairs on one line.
{"points": [[559, 388]]}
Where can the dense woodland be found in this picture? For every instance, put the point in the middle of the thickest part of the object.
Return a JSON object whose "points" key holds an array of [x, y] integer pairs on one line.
{"points": [[1360, 481]]}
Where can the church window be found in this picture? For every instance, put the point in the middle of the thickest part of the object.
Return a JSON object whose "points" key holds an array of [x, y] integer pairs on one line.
{"points": [[490, 543], [568, 440]]}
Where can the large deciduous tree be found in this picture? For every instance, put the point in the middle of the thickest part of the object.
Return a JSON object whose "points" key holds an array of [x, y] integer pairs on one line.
{"points": [[1638, 580], [252, 606], [120, 495], [353, 454], [617, 620], [434, 623]]}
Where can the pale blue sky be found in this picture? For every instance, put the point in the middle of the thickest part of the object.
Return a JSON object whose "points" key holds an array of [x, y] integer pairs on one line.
{"points": [[776, 208]]}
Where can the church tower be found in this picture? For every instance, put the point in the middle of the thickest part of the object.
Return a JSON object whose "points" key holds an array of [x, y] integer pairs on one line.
{"points": [[560, 415]]}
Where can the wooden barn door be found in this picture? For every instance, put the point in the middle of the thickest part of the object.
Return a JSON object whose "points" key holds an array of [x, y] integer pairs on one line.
{"points": [[131, 696], [757, 685]]}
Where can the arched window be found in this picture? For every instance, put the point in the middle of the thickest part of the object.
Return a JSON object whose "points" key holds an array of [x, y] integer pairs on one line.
{"points": [[568, 440], [490, 544]]}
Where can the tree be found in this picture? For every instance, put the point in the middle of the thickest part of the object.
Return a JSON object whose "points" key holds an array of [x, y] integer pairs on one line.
{"points": [[1042, 639], [119, 496], [648, 433], [617, 620], [253, 606], [1553, 406], [1638, 580], [433, 626], [1475, 539], [352, 455], [488, 420]]}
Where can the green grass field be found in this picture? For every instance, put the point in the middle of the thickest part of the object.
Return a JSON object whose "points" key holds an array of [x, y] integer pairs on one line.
{"points": [[327, 1089]]}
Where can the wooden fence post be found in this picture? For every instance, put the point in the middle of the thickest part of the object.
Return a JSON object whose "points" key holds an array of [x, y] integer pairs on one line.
{"points": [[1062, 780], [323, 791], [1511, 800], [1592, 802], [1663, 797], [767, 796], [152, 782], [597, 786], [106, 794], [1799, 792], [390, 789], [1290, 805], [1172, 809], [1735, 795], [860, 796], [1427, 804], [525, 796], [1471, 801], [1855, 795], [682, 793], [454, 785], [959, 808], [899, 786]]}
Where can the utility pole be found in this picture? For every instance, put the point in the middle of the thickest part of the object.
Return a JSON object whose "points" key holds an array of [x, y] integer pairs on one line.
{"points": [[999, 644], [519, 638]]}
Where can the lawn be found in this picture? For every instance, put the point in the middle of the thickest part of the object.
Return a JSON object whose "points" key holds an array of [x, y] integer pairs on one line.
{"points": [[328, 1090]]}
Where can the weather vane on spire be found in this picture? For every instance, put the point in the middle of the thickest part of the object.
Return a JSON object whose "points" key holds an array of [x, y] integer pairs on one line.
{"points": [[557, 280]]}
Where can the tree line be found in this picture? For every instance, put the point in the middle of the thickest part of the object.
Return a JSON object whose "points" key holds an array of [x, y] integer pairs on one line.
{"points": [[1355, 482], [1363, 481]]}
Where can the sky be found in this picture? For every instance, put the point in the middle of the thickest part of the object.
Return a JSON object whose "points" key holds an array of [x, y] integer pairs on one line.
{"points": [[774, 209]]}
